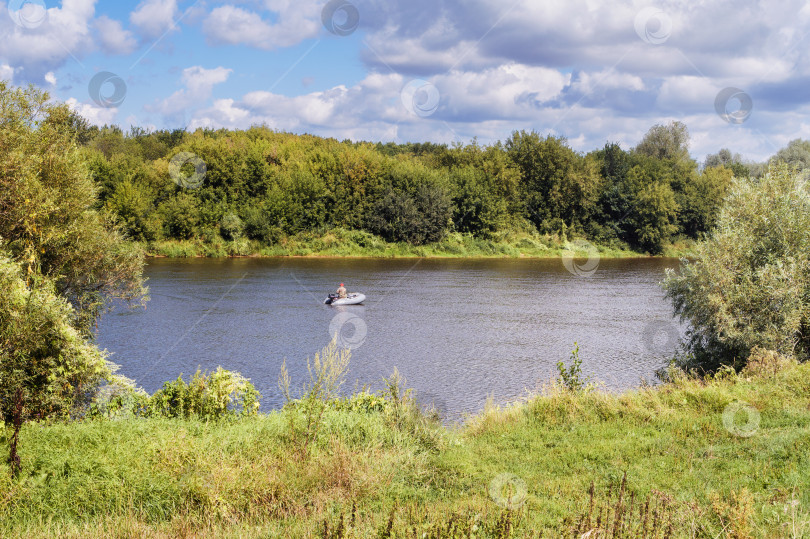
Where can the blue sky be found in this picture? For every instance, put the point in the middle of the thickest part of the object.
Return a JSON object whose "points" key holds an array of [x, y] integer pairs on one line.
{"points": [[427, 70]]}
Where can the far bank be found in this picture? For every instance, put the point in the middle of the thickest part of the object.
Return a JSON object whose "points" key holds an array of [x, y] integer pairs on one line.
{"points": [[359, 244]]}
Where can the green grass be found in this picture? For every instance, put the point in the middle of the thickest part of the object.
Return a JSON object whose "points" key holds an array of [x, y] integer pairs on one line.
{"points": [[352, 243], [659, 457]]}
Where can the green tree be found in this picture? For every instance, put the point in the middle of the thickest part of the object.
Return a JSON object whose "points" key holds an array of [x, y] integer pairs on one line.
{"points": [[796, 154], [559, 186], [47, 215], [477, 207], [46, 365], [669, 141], [733, 162], [702, 199], [749, 285], [653, 216], [181, 216], [414, 205]]}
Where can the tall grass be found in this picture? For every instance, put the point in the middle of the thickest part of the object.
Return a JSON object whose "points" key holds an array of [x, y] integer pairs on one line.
{"points": [[656, 462], [352, 243]]}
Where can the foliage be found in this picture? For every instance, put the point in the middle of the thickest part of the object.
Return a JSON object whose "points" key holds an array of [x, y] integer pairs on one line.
{"points": [[41, 353], [571, 377], [734, 162], [414, 206], [663, 142], [231, 227], [796, 155], [46, 365], [280, 185], [327, 373], [216, 395], [269, 187], [47, 215], [749, 285], [558, 185]]}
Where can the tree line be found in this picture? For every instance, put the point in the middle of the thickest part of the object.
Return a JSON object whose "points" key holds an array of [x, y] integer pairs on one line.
{"points": [[264, 185]]}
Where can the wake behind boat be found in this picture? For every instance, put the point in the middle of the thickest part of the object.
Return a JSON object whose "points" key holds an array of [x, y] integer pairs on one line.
{"points": [[350, 299]]}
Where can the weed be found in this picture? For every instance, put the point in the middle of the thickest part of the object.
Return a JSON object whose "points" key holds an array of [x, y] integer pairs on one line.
{"points": [[571, 377]]}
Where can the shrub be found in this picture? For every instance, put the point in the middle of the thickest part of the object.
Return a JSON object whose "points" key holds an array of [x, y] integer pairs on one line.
{"points": [[181, 216], [261, 226], [231, 227], [327, 373], [45, 363], [571, 376], [207, 396], [749, 285]]}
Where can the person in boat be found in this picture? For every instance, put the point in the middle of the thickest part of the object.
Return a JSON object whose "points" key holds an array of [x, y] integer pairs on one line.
{"points": [[341, 292]]}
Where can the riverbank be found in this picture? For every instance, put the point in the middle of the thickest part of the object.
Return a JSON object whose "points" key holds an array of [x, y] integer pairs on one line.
{"points": [[671, 460], [352, 243]]}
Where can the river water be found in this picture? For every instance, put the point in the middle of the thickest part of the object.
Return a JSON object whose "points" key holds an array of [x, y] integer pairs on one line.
{"points": [[457, 330]]}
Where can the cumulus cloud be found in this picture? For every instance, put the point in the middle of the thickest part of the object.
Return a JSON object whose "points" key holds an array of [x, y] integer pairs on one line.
{"points": [[95, 115], [231, 25], [199, 83], [375, 105], [7, 73], [64, 33], [112, 36], [585, 69], [153, 18]]}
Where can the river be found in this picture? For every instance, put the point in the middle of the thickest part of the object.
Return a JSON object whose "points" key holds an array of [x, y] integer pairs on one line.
{"points": [[458, 330]]}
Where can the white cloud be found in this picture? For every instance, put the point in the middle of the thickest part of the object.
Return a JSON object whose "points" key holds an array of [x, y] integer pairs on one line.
{"points": [[7, 73], [95, 115], [231, 25], [687, 93], [113, 38], [33, 52], [199, 83], [153, 18], [199, 80], [50, 78], [587, 83]]}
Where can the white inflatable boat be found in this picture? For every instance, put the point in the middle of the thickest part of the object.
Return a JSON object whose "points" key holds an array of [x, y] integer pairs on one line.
{"points": [[350, 299]]}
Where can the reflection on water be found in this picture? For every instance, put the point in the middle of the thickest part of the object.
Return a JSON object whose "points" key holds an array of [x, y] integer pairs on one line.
{"points": [[457, 330]]}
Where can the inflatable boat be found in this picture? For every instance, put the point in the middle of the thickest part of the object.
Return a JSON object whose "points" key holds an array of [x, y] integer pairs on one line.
{"points": [[350, 299]]}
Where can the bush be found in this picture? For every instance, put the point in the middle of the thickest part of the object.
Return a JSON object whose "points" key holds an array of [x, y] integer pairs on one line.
{"points": [[571, 377], [414, 207], [207, 396], [181, 216], [259, 225], [749, 285], [231, 227]]}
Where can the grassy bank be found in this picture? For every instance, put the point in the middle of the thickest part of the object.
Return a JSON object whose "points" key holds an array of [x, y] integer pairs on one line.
{"points": [[658, 461], [350, 243]]}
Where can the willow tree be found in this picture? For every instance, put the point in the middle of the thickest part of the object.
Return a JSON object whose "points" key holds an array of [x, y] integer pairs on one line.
{"points": [[749, 284]]}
